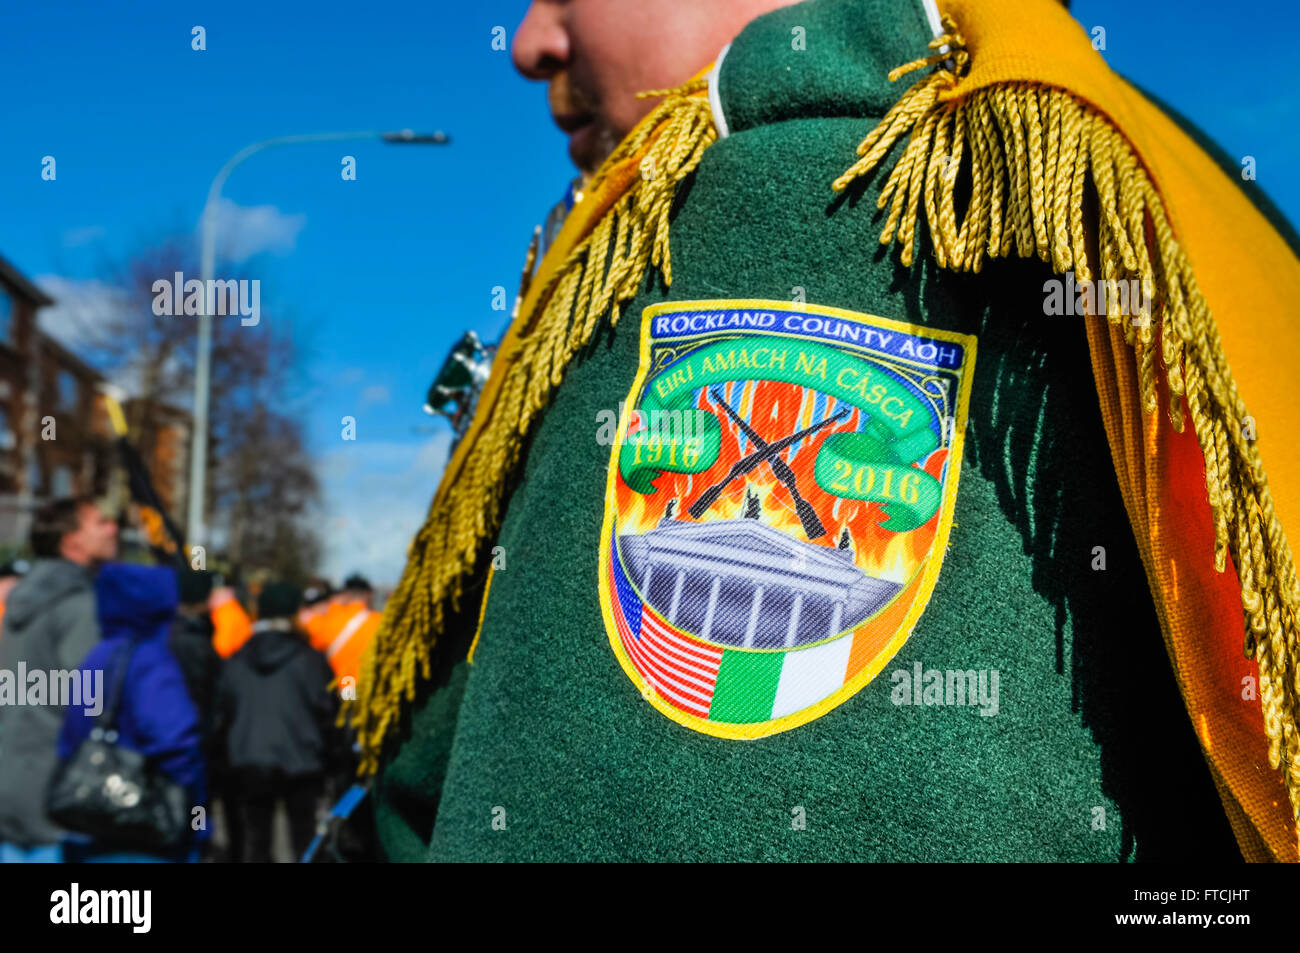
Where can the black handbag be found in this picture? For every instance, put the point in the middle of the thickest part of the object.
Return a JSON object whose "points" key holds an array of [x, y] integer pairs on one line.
{"points": [[112, 793]]}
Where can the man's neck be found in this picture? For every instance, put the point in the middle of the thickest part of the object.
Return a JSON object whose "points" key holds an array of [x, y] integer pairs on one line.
{"points": [[85, 562]]}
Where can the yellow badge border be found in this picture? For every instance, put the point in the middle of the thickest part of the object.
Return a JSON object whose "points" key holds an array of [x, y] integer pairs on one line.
{"points": [[762, 729]]}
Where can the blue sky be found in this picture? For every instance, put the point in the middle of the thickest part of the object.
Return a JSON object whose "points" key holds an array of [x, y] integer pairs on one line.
{"points": [[380, 275]]}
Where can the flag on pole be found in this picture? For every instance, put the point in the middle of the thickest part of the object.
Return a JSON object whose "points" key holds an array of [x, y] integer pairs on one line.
{"points": [[164, 536]]}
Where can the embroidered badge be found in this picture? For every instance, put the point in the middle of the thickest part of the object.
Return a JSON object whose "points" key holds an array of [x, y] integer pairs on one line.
{"points": [[778, 504]]}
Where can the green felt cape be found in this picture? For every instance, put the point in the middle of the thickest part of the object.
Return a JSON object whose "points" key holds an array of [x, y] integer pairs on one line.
{"points": [[541, 749]]}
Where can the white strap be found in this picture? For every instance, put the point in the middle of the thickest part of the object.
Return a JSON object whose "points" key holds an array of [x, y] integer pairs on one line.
{"points": [[932, 14], [715, 97], [936, 20], [347, 632]]}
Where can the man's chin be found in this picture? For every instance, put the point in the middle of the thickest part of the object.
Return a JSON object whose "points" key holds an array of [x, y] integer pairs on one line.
{"points": [[591, 145]]}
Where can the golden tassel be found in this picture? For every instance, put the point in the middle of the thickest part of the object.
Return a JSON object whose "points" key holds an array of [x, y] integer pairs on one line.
{"points": [[598, 276], [1029, 149]]}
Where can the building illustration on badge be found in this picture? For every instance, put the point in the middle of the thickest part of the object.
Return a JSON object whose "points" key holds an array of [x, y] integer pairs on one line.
{"points": [[778, 505]]}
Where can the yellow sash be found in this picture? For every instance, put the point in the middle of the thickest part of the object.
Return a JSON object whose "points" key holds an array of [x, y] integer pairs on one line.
{"points": [[1022, 103]]}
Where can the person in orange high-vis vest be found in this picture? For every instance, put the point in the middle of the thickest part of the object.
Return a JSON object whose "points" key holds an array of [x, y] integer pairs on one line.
{"points": [[344, 630], [317, 601], [231, 626]]}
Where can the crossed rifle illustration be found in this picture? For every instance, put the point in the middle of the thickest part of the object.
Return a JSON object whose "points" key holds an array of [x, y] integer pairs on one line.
{"points": [[768, 453]]}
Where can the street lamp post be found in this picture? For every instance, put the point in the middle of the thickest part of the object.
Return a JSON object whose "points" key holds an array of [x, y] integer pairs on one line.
{"points": [[195, 527]]}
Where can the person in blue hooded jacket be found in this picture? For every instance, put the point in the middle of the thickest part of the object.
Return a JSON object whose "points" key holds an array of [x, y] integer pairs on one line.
{"points": [[136, 606]]}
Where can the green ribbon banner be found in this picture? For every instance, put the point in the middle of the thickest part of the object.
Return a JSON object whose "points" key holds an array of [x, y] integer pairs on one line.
{"points": [[872, 465]]}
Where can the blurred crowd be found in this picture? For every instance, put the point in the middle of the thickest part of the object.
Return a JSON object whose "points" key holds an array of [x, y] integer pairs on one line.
{"points": [[231, 695]]}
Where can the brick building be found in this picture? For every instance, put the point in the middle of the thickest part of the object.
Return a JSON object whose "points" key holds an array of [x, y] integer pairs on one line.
{"points": [[55, 436], [19, 385]]}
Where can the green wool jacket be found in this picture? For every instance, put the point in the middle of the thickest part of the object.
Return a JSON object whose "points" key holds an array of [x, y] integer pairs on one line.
{"points": [[543, 749]]}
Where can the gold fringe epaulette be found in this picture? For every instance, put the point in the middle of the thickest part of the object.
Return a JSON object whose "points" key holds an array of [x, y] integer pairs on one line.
{"points": [[1024, 153], [564, 305]]}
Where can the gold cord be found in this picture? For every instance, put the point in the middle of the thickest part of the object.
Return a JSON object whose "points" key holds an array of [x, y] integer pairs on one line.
{"points": [[1029, 150], [600, 274]]}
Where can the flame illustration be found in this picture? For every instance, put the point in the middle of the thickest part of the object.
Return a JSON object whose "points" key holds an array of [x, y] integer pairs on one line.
{"points": [[775, 409]]}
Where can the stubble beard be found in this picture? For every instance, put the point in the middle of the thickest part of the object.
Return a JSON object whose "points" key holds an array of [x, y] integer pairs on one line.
{"points": [[604, 143], [569, 95]]}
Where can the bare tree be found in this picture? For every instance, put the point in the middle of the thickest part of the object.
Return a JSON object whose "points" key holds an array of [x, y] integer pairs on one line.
{"points": [[262, 486], [266, 490]]}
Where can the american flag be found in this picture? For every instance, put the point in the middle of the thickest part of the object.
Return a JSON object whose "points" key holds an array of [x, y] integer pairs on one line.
{"points": [[682, 669]]}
